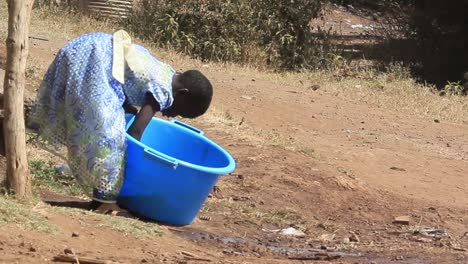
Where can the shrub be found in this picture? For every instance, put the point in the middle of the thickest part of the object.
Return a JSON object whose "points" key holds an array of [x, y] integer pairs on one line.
{"points": [[276, 33]]}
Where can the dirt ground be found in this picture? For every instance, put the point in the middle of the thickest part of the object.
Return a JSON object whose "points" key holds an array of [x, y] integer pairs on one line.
{"points": [[336, 169]]}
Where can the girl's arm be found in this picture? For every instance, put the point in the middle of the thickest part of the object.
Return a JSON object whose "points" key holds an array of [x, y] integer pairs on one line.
{"points": [[142, 119], [129, 108]]}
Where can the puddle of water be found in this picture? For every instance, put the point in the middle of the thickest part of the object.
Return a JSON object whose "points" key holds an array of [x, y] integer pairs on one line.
{"points": [[294, 251], [279, 250]]}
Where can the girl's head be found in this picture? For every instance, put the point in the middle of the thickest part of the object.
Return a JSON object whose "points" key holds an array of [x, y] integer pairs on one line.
{"points": [[192, 93]]}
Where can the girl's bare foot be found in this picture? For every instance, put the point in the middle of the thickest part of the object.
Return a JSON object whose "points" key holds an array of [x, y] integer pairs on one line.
{"points": [[109, 209]]}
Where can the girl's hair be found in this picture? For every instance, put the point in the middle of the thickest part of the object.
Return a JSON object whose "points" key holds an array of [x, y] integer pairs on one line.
{"points": [[200, 90]]}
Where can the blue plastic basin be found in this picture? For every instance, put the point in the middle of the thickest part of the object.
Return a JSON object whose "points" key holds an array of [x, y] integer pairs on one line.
{"points": [[171, 171]]}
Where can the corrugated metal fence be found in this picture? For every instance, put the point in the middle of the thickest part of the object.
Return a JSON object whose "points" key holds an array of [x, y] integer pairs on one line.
{"points": [[109, 8]]}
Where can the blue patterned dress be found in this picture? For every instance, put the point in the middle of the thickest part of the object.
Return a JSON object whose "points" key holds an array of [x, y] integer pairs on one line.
{"points": [[79, 106]]}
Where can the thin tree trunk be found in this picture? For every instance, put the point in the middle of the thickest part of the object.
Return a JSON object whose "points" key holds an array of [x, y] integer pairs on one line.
{"points": [[18, 178]]}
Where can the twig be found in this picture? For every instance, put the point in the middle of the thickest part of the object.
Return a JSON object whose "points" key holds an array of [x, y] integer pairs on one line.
{"points": [[82, 260], [38, 38], [305, 258], [76, 257], [175, 229], [318, 256], [189, 254], [197, 259], [192, 256]]}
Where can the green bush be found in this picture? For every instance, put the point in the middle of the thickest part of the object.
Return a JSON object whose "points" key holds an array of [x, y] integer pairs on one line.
{"points": [[286, 34], [275, 33]]}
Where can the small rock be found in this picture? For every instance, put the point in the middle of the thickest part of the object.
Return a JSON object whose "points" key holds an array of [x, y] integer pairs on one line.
{"points": [[459, 249], [32, 249], [397, 169], [424, 240], [75, 234], [440, 244], [253, 80], [144, 261], [436, 120], [346, 240], [402, 220], [291, 231], [246, 97], [354, 238], [322, 225], [68, 251], [314, 87], [327, 237]]}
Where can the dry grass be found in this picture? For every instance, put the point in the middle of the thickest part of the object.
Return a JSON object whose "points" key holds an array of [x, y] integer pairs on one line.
{"points": [[23, 216], [243, 130], [234, 209], [392, 90], [126, 226], [402, 95]]}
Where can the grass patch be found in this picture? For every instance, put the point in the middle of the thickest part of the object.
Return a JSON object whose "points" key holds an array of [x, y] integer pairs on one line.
{"points": [[235, 209], [44, 175], [126, 226], [23, 216], [307, 151], [244, 131], [132, 227]]}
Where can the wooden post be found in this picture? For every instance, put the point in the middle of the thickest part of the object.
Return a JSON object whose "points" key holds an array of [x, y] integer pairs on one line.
{"points": [[18, 177]]}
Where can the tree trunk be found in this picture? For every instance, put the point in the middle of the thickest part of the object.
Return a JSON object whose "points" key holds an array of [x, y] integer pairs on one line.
{"points": [[18, 178]]}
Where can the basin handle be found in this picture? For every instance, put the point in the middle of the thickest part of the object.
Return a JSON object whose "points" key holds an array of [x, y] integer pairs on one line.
{"points": [[162, 159], [182, 124]]}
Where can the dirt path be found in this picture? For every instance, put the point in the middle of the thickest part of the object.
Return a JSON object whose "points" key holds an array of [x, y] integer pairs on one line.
{"points": [[422, 159]]}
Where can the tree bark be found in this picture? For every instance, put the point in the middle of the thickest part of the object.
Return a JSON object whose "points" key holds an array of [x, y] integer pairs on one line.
{"points": [[18, 177]]}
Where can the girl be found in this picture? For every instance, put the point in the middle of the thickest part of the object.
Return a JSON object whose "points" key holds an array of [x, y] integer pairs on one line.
{"points": [[83, 98]]}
